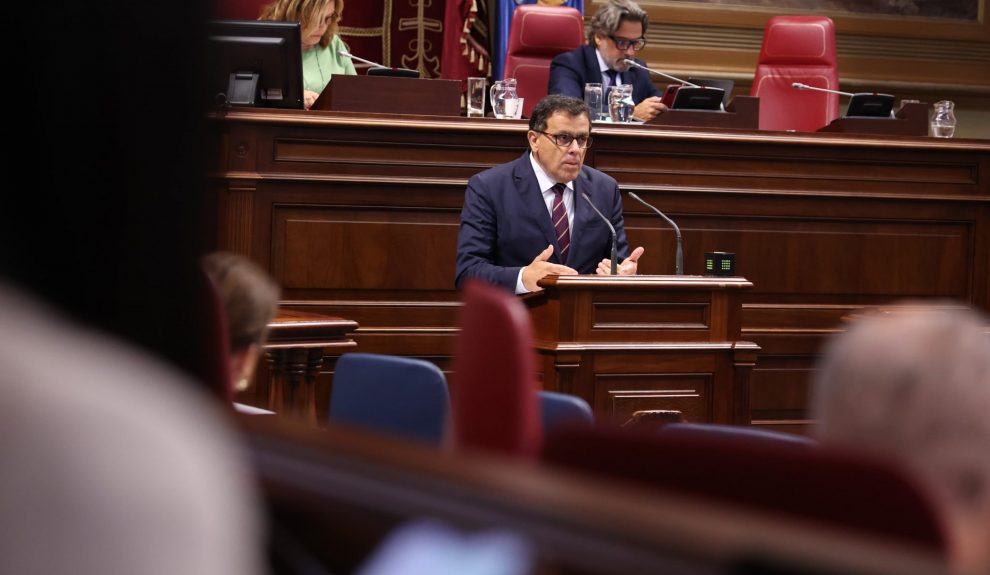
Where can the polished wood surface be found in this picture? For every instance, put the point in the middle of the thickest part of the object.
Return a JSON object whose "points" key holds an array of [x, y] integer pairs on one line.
{"points": [[297, 342], [633, 343], [358, 218], [391, 94]]}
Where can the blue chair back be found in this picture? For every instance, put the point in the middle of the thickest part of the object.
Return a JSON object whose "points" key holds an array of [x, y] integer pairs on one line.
{"points": [[558, 409], [395, 395]]}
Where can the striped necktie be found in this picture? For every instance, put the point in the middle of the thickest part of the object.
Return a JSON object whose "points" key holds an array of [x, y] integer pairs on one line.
{"points": [[560, 224], [613, 77]]}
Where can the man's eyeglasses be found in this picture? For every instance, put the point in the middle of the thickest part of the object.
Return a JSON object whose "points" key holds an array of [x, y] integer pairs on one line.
{"points": [[565, 140], [625, 43]]}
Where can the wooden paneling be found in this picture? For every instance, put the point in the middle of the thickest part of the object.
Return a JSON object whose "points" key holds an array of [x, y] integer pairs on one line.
{"points": [[622, 395], [357, 217]]}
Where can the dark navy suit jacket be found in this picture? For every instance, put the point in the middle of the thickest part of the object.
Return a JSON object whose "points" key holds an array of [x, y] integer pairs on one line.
{"points": [[505, 224], [570, 71]]}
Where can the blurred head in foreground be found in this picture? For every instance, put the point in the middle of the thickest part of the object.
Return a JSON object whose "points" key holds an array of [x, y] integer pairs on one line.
{"points": [[250, 299], [913, 383]]}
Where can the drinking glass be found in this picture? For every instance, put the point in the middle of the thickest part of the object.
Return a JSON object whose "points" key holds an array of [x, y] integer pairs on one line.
{"points": [[620, 103], [593, 98], [514, 108], [476, 97]]}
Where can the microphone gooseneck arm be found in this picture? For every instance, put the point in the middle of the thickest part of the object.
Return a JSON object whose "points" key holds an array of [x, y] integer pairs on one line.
{"points": [[632, 62], [800, 86], [679, 262], [359, 59], [611, 228]]}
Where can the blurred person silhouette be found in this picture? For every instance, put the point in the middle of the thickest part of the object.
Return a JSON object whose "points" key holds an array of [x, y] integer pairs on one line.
{"points": [[250, 300], [913, 384], [114, 460], [113, 463], [323, 48]]}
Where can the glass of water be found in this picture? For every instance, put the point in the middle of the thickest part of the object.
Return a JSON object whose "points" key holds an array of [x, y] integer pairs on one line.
{"points": [[475, 97], [593, 98], [620, 103]]}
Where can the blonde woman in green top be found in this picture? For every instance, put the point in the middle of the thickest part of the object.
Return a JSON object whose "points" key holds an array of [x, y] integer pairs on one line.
{"points": [[321, 45]]}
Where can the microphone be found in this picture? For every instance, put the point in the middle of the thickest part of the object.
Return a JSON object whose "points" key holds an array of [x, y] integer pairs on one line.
{"points": [[632, 62], [376, 66], [679, 262], [353, 57], [800, 86], [863, 104], [615, 264]]}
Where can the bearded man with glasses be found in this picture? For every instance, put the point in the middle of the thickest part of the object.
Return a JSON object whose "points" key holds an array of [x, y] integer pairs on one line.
{"points": [[529, 218], [616, 32]]}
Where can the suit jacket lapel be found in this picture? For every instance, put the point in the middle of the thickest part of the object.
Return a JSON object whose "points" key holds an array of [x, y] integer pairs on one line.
{"points": [[583, 215], [591, 66], [532, 201]]}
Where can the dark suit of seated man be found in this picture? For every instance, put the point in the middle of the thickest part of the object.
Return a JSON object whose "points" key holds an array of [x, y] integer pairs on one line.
{"points": [[616, 32], [527, 219]]}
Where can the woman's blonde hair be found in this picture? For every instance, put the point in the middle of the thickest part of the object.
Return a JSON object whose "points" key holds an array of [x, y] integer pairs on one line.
{"points": [[304, 12]]}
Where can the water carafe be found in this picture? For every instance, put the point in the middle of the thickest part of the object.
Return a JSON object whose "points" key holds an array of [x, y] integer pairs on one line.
{"points": [[501, 91], [944, 120]]}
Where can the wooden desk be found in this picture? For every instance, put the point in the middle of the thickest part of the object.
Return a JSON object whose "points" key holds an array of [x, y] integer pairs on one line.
{"points": [[297, 342], [358, 217]]}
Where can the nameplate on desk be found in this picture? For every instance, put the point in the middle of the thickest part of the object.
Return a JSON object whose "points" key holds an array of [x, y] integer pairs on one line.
{"points": [[742, 113], [391, 95]]}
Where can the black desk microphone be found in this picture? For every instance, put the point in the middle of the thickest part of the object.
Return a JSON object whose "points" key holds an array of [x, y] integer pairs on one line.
{"points": [[611, 228], [679, 262]]}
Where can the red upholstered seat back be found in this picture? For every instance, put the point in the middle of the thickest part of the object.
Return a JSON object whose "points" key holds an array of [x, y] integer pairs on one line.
{"points": [[797, 49], [493, 387], [537, 34], [801, 480]]}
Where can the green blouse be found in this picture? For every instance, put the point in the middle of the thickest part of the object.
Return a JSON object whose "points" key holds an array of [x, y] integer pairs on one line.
{"points": [[320, 64]]}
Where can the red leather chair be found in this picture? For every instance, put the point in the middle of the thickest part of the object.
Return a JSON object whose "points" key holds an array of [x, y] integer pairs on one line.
{"points": [[797, 49], [493, 388], [537, 34]]}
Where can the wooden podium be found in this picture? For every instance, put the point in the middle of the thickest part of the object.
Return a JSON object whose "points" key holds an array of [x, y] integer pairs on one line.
{"points": [[391, 95], [632, 343]]}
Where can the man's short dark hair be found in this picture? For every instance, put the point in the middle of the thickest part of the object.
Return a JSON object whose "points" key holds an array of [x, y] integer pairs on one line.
{"points": [[556, 103], [612, 14]]}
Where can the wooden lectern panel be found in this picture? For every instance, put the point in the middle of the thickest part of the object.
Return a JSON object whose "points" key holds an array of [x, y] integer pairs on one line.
{"points": [[391, 95], [632, 343]]}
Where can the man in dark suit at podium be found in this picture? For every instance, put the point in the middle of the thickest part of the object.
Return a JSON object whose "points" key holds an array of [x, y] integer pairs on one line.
{"points": [[529, 218], [616, 32]]}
